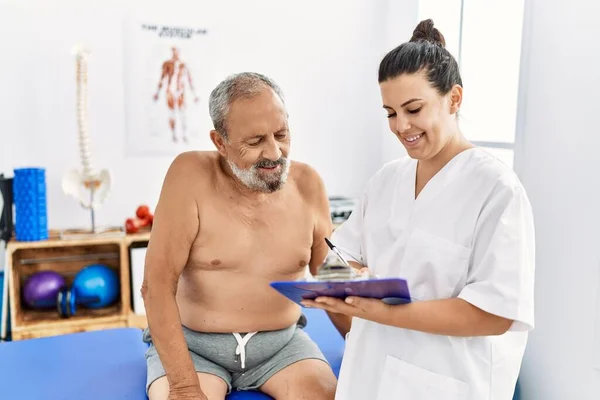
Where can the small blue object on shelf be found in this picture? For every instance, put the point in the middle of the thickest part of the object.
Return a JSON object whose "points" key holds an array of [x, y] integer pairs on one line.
{"points": [[7, 315], [31, 211]]}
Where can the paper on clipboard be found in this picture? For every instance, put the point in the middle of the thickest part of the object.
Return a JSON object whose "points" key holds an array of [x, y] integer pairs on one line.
{"points": [[390, 290]]}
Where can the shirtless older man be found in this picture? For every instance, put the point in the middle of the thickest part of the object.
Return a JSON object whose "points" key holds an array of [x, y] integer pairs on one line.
{"points": [[227, 224]]}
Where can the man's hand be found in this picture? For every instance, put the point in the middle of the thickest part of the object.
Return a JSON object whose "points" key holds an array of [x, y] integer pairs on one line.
{"points": [[187, 393]]}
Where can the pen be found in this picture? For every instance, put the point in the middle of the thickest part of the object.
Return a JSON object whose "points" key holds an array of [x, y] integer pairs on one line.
{"points": [[337, 252]]}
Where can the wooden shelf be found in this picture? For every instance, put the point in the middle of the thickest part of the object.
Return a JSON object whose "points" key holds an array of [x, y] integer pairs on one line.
{"points": [[34, 318], [137, 321], [56, 329], [67, 257]]}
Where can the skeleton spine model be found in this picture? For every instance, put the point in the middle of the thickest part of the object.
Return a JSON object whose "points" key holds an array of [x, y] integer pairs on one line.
{"points": [[89, 186], [82, 118]]}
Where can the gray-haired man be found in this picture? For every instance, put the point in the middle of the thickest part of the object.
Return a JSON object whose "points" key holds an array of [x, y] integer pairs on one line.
{"points": [[227, 223]]}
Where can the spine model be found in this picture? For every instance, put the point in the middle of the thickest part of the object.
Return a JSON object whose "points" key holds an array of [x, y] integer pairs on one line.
{"points": [[87, 185], [81, 58]]}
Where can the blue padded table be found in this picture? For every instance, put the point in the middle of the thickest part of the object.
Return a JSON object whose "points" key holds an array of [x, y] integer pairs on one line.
{"points": [[110, 364], [106, 364]]}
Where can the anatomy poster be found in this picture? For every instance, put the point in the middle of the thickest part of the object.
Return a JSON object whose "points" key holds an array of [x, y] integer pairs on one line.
{"points": [[168, 78]]}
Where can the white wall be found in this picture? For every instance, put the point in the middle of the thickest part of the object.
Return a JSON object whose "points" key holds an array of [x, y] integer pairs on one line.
{"points": [[557, 158], [401, 20], [323, 53]]}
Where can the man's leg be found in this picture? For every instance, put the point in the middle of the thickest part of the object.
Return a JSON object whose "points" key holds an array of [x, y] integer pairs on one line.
{"points": [[306, 379], [296, 371], [213, 387], [214, 380]]}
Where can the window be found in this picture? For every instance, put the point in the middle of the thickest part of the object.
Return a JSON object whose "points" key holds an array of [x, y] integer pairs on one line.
{"points": [[485, 38]]}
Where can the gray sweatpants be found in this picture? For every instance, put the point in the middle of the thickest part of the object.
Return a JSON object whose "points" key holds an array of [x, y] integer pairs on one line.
{"points": [[243, 361]]}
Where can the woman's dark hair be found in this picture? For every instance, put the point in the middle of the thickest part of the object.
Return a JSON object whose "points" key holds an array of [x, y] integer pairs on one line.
{"points": [[424, 52]]}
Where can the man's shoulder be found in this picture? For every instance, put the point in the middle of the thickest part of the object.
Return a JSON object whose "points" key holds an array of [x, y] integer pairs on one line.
{"points": [[301, 170], [196, 157], [195, 164], [307, 179]]}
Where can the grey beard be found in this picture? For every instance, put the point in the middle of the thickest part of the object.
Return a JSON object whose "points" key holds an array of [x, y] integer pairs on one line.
{"points": [[251, 177]]}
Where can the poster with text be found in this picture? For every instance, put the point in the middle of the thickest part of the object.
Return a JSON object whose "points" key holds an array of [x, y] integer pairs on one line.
{"points": [[167, 83]]}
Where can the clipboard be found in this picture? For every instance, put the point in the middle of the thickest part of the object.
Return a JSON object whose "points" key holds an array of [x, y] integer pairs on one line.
{"points": [[390, 290]]}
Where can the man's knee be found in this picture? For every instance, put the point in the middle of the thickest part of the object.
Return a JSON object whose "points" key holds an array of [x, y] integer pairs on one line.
{"points": [[318, 387], [311, 387], [307, 379], [212, 386], [159, 389]]}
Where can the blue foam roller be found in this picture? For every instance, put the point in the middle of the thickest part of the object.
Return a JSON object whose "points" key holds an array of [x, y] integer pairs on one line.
{"points": [[31, 210]]}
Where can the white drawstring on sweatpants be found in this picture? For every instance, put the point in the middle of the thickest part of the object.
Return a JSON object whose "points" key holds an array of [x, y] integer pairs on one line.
{"points": [[241, 347]]}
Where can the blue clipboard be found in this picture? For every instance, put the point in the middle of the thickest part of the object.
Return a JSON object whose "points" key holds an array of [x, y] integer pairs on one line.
{"points": [[390, 290]]}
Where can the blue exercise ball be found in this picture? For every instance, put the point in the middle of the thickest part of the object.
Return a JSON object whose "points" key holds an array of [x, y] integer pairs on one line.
{"points": [[96, 286]]}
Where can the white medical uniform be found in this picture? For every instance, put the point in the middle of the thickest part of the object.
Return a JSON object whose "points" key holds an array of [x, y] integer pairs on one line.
{"points": [[469, 234]]}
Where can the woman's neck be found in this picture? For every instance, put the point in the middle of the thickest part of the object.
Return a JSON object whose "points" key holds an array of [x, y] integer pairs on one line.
{"points": [[427, 169], [457, 144]]}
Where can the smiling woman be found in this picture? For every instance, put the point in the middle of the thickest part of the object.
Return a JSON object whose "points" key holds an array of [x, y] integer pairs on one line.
{"points": [[457, 225], [422, 93]]}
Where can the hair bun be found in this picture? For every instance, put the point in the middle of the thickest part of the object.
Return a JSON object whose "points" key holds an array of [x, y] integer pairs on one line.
{"points": [[426, 31]]}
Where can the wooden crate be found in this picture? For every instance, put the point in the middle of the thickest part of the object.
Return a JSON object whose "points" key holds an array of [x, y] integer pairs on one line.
{"points": [[67, 257], [53, 330], [137, 321]]}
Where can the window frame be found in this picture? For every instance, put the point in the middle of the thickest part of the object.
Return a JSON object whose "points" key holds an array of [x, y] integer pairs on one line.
{"points": [[517, 142]]}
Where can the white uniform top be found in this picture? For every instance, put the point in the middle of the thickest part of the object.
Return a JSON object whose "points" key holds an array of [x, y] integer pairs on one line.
{"points": [[469, 234]]}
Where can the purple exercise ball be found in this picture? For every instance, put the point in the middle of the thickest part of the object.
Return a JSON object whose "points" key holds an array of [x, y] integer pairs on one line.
{"points": [[40, 289]]}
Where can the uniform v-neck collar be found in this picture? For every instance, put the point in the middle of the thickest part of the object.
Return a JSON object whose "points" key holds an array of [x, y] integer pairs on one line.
{"points": [[438, 181], [405, 204]]}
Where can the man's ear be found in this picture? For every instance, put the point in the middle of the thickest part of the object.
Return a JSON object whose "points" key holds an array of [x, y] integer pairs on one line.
{"points": [[455, 98], [219, 142]]}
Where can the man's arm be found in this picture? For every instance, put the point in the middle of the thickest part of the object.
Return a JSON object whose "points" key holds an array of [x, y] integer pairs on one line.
{"points": [[323, 229], [174, 229], [323, 225]]}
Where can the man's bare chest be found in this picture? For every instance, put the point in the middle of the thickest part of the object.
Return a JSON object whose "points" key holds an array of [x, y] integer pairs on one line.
{"points": [[276, 240]]}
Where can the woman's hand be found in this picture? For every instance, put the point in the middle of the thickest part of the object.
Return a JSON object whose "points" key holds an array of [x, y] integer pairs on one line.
{"points": [[370, 309]]}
